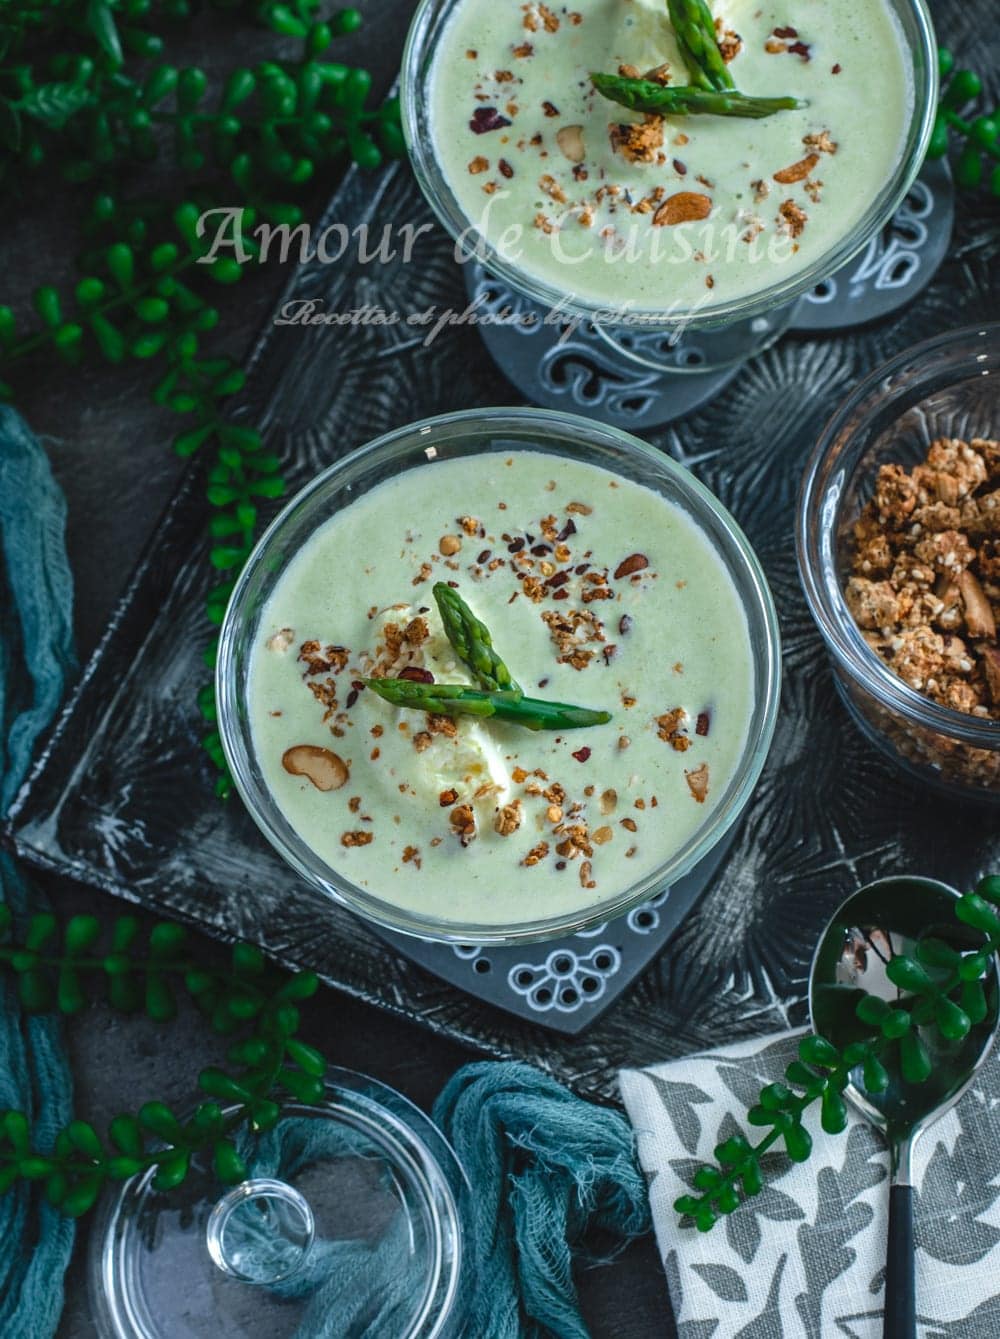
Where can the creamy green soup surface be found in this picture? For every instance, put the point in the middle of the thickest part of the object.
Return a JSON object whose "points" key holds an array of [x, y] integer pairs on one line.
{"points": [[598, 592], [675, 212]]}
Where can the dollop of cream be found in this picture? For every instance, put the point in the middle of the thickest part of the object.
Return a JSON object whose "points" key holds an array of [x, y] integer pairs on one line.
{"points": [[469, 761]]}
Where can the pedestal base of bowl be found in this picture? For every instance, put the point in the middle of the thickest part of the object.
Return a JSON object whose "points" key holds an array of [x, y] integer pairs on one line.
{"points": [[626, 381], [567, 984]]}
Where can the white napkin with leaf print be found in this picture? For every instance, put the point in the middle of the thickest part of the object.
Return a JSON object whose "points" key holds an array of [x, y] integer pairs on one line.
{"points": [[805, 1259]]}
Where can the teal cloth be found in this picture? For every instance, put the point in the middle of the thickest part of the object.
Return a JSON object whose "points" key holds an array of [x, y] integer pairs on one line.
{"points": [[547, 1169], [36, 657]]}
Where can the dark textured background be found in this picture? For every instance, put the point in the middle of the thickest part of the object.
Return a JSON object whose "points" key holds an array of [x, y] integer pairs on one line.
{"points": [[107, 445]]}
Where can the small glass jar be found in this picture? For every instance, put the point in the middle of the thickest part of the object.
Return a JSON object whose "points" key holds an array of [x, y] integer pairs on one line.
{"points": [[946, 387], [471, 433]]}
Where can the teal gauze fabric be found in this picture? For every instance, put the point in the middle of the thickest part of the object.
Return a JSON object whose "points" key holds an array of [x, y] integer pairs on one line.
{"points": [[36, 657], [550, 1174]]}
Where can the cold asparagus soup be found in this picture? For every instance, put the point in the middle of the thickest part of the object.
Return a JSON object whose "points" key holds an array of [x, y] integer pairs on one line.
{"points": [[599, 153], [500, 688]]}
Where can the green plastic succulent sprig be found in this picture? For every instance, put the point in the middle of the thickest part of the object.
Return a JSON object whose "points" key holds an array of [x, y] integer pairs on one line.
{"points": [[271, 126], [117, 29], [979, 159], [55, 964], [945, 992]]}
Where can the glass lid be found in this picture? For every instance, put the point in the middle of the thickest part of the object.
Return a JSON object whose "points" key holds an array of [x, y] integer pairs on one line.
{"points": [[348, 1225]]}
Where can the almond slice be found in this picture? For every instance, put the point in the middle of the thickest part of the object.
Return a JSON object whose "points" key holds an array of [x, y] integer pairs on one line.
{"points": [[798, 171], [635, 562], [571, 145], [324, 768], [683, 207], [979, 617], [698, 782], [991, 668]]}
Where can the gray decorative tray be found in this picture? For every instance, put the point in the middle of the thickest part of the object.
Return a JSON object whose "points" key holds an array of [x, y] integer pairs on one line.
{"points": [[121, 796]]}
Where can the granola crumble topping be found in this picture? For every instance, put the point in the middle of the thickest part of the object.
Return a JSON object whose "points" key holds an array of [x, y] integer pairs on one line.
{"points": [[669, 728], [508, 819], [360, 838], [924, 588]]}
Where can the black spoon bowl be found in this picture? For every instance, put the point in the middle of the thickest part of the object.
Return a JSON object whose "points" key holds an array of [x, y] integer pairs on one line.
{"points": [[882, 919]]}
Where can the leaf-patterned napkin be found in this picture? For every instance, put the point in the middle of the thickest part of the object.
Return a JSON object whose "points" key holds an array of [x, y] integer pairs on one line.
{"points": [[806, 1257]]}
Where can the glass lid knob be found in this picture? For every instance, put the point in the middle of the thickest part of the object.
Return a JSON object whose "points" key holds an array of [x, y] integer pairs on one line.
{"points": [[261, 1232]]}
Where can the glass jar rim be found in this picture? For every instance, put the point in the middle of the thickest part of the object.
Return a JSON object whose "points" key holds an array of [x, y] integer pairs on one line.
{"points": [[815, 524], [562, 428], [416, 65]]}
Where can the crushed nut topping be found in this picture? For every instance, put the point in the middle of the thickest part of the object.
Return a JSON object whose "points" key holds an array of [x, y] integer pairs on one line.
{"points": [[536, 854], [792, 218], [356, 838], [332, 660], [441, 725], [698, 782], [637, 141], [925, 590], [571, 145], [463, 821], [281, 640], [669, 729], [820, 140], [574, 632], [730, 43], [508, 819]]}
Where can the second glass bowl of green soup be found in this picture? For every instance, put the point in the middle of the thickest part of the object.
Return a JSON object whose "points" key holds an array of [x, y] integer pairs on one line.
{"points": [[556, 191], [608, 577]]}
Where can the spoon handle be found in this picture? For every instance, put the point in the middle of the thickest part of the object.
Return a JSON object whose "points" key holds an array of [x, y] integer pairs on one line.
{"points": [[900, 1321]]}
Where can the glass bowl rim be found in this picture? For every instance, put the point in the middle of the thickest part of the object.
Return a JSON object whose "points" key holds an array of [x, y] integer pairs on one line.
{"points": [[837, 626], [452, 218], [562, 427]]}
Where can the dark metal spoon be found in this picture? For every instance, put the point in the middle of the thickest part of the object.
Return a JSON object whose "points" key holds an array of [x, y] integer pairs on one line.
{"points": [[880, 920]]}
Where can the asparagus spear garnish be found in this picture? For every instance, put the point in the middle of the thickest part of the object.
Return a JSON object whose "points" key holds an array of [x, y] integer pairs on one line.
{"points": [[472, 642], [453, 699], [643, 95], [695, 29]]}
